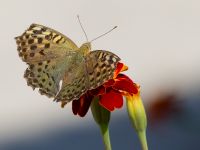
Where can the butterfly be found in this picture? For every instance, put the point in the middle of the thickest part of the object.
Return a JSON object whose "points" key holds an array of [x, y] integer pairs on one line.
{"points": [[53, 58]]}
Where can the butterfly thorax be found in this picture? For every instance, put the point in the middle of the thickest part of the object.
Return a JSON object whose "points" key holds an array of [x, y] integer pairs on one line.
{"points": [[85, 48]]}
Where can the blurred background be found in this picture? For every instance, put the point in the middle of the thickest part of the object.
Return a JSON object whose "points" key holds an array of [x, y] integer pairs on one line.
{"points": [[158, 40]]}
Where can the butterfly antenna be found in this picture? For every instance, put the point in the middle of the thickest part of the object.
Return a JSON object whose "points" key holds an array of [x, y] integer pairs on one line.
{"points": [[82, 27], [104, 34]]}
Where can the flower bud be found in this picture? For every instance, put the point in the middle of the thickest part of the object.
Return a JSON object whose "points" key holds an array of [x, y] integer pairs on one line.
{"points": [[137, 116]]}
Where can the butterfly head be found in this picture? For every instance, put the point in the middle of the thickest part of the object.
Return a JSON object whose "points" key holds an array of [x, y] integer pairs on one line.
{"points": [[85, 48]]}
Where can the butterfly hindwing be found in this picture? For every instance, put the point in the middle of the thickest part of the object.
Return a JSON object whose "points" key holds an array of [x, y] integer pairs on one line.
{"points": [[101, 65], [46, 75], [38, 76], [75, 80], [94, 70]]}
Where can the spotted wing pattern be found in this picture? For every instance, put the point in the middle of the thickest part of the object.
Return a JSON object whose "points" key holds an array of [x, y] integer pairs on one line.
{"points": [[46, 75], [96, 68], [41, 43], [101, 65], [48, 53]]}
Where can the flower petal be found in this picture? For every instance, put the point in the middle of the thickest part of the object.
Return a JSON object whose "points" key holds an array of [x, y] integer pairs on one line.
{"points": [[109, 83], [120, 67], [111, 100], [125, 84], [82, 105], [98, 91]]}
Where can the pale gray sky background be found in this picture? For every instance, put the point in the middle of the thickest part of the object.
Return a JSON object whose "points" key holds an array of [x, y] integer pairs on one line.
{"points": [[158, 40]]}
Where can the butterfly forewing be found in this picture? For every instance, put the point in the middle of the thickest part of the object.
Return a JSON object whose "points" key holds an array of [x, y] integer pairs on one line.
{"points": [[41, 43]]}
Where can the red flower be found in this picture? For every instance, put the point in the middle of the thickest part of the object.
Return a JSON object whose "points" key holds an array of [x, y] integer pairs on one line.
{"points": [[110, 94]]}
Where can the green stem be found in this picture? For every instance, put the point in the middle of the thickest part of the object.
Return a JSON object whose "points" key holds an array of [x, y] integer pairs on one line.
{"points": [[143, 140], [106, 136]]}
